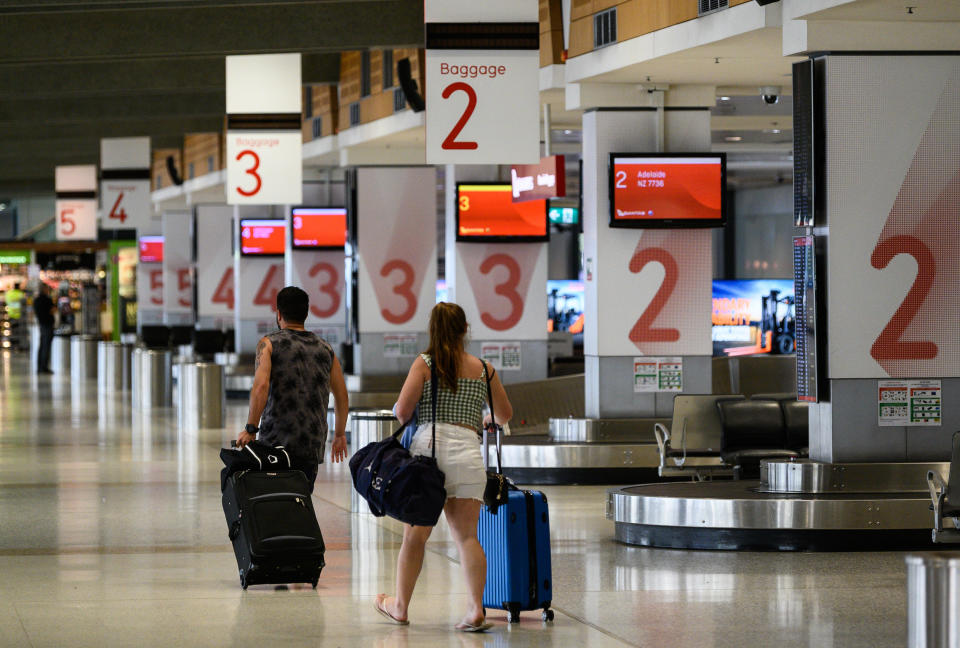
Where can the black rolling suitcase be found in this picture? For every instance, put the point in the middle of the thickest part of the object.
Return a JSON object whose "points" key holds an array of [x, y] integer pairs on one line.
{"points": [[273, 527]]}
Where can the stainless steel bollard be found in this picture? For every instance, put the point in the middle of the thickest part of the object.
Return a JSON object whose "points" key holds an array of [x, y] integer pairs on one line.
{"points": [[201, 396], [60, 355], [110, 367], [151, 378], [83, 357], [933, 600], [367, 426], [34, 346]]}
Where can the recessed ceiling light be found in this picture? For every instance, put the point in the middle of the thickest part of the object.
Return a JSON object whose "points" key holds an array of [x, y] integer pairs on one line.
{"points": [[724, 98], [567, 132], [733, 138], [775, 131]]}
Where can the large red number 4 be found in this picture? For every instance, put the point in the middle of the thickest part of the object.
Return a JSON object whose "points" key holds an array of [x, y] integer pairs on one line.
{"points": [[888, 345], [451, 143], [403, 289], [328, 288], [224, 292], [119, 215], [643, 330], [251, 171], [272, 284], [508, 289]]}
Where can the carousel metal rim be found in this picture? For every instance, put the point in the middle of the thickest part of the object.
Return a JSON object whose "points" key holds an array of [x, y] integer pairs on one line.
{"points": [[570, 455], [809, 476], [733, 505]]}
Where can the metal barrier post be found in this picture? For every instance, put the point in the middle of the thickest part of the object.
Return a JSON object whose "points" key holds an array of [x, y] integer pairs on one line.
{"points": [[201, 396], [151, 378], [933, 588], [83, 357]]}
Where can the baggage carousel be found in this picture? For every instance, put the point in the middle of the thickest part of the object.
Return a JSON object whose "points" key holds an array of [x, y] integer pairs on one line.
{"points": [[796, 506]]}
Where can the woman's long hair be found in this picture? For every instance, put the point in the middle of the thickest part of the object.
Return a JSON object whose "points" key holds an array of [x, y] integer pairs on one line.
{"points": [[448, 327]]}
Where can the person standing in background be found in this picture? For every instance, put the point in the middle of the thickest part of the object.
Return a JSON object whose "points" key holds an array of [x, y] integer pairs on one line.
{"points": [[44, 309]]}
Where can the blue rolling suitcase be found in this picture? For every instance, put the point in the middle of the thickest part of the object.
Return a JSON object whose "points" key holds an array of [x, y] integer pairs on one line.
{"points": [[516, 540]]}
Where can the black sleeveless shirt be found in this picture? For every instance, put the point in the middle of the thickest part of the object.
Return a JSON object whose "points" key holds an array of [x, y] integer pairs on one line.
{"points": [[296, 412]]}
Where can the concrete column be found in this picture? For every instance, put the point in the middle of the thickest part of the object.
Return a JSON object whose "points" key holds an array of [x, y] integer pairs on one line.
{"points": [[620, 287]]}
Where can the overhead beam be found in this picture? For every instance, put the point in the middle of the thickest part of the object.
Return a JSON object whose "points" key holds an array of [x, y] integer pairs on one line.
{"points": [[187, 31]]}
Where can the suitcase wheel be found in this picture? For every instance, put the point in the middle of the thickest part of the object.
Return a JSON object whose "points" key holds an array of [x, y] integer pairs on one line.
{"points": [[314, 582], [513, 614], [547, 616]]}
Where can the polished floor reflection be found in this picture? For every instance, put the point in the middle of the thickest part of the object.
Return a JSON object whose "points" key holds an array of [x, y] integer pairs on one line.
{"points": [[111, 534]]}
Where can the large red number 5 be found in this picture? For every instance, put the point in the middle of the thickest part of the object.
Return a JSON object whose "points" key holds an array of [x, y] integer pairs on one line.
{"points": [[156, 283], [65, 220], [403, 289], [643, 330], [888, 345], [508, 289], [328, 288], [183, 285], [271, 285], [251, 171], [224, 292], [451, 143]]}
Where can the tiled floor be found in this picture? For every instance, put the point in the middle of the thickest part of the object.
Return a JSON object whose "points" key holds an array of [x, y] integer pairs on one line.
{"points": [[111, 534]]}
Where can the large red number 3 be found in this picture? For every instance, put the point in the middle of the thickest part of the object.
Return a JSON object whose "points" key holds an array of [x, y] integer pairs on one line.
{"points": [[451, 143], [403, 289], [328, 288], [643, 330], [888, 345], [508, 289], [271, 285], [251, 171], [224, 292]]}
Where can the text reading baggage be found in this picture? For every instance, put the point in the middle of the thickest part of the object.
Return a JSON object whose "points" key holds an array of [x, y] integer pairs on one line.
{"points": [[473, 71]]}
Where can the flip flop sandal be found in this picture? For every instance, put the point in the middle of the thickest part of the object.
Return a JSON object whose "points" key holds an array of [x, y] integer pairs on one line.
{"points": [[383, 612], [483, 626]]}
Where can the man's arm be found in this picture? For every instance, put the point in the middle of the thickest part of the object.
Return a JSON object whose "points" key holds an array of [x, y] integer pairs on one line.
{"points": [[259, 391], [341, 406]]}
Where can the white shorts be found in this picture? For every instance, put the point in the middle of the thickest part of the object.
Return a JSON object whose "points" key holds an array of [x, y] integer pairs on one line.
{"points": [[458, 456]]}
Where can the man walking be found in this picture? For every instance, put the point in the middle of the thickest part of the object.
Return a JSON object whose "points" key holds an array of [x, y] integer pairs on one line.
{"points": [[295, 373], [44, 309]]}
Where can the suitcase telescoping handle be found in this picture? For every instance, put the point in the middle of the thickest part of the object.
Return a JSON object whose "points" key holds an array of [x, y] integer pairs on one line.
{"points": [[493, 424]]}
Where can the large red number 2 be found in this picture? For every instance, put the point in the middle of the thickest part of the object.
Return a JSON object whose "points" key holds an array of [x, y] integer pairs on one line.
{"points": [[224, 292], [272, 284], [643, 330], [403, 289], [451, 143], [508, 289], [251, 171], [888, 345], [328, 288]]}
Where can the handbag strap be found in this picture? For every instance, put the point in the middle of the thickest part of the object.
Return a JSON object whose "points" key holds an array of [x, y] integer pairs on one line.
{"points": [[433, 405], [493, 419]]}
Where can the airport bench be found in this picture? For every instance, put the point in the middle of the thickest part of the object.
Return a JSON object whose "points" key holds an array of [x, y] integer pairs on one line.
{"points": [[945, 497], [755, 429], [691, 446]]}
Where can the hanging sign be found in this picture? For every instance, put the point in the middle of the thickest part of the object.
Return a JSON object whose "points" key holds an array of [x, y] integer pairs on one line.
{"points": [[264, 140], [477, 56], [538, 181], [125, 183], [76, 203]]}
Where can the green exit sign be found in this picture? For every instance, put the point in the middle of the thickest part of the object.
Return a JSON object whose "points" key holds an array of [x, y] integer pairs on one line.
{"points": [[14, 256], [564, 215]]}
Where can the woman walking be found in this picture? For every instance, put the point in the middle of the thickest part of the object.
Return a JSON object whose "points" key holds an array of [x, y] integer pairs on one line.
{"points": [[462, 392]]}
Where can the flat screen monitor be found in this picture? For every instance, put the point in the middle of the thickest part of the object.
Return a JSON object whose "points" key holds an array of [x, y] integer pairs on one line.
{"points": [[753, 316], [151, 249], [667, 189], [262, 237], [318, 228], [486, 213]]}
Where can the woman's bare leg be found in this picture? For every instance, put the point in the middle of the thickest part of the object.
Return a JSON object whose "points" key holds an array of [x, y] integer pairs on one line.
{"points": [[409, 563], [462, 517]]}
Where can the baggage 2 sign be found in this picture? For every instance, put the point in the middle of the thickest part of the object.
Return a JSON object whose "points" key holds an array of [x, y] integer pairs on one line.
{"points": [[482, 82]]}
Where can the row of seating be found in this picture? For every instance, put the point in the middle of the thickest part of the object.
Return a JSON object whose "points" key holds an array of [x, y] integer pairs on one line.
{"points": [[204, 341], [728, 435]]}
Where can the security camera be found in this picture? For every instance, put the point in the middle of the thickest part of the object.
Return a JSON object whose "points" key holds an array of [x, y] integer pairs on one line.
{"points": [[770, 94]]}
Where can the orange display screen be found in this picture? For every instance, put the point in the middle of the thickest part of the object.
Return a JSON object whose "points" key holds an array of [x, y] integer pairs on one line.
{"points": [[486, 212], [665, 191], [151, 249], [315, 227], [262, 237]]}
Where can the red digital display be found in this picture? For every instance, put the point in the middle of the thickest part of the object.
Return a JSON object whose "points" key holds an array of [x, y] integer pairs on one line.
{"points": [[486, 212], [315, 227], [262, 237], [670, 190], [151, 249]]}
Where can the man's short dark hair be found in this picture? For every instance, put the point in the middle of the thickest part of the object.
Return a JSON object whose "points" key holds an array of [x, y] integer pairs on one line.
{"points": [[293, 304]]}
